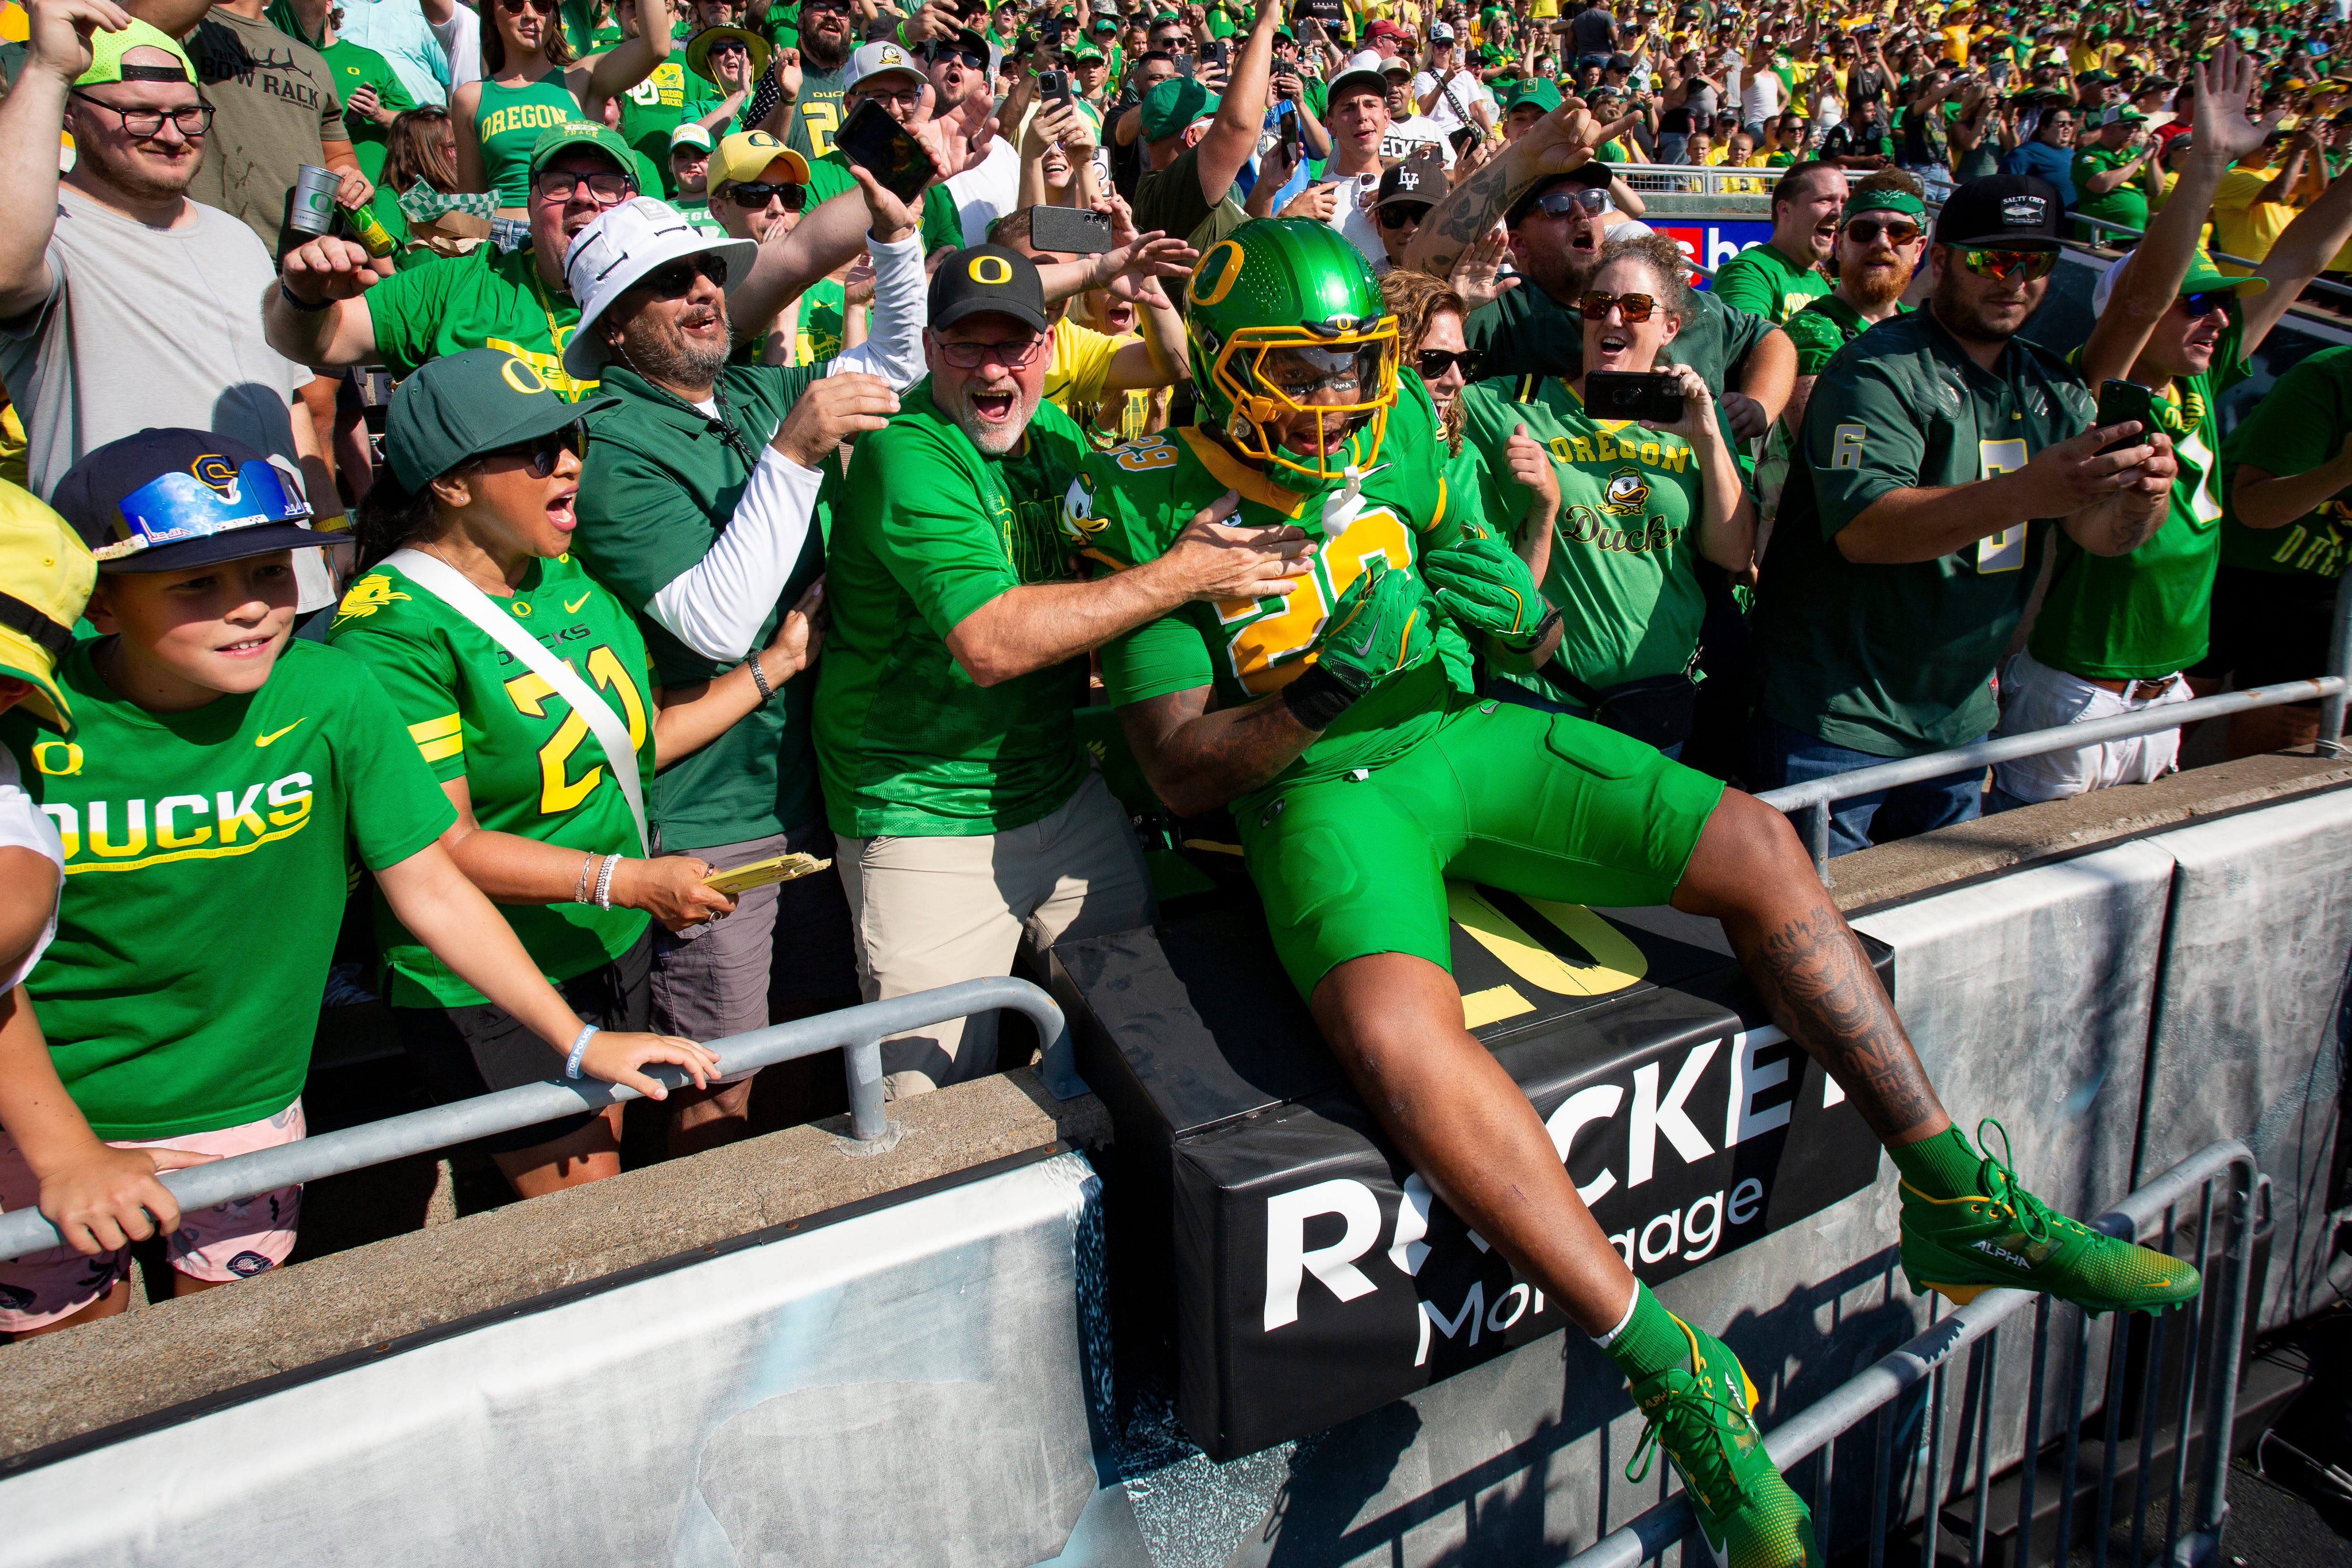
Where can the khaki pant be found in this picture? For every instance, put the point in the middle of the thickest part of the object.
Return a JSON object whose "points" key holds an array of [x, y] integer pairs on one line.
{"points": [[931, 912]]}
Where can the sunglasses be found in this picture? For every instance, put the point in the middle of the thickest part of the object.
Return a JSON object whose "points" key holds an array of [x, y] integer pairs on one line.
{"points": [[516, 7], [731, 47], [1564, 204], [1595, 305], [971, 356], [751, 198], [673, 281], [1434, 364], [2207, 302], [2009, 266], [1401, 214], [1863, 231], [604, 187], [941, 53], [542, 453]]}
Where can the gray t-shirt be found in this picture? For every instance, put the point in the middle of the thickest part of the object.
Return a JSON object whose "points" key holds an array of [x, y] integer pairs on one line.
{"points": [[148, 326]]}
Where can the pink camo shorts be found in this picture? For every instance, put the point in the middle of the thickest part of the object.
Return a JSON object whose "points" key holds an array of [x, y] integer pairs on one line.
{"points": [[234, 1241]]}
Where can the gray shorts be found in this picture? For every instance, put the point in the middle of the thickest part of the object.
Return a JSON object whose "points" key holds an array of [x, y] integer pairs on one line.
{"points": [[783, 953]]}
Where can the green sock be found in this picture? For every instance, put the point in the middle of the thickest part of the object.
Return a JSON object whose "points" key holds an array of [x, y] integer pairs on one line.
{"points": [[1944, 1166], [1651, 1341]]}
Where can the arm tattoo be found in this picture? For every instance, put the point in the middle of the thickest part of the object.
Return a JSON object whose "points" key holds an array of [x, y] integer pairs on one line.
{"points": [[1197, 759], [1819, 986]]}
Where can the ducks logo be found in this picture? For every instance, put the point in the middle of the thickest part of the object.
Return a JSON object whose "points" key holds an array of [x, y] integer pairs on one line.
{"points": [[1627, 490], [366, 596]]}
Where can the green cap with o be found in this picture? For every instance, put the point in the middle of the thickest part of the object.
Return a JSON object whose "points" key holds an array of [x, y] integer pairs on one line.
{"points": [[464, 404]]}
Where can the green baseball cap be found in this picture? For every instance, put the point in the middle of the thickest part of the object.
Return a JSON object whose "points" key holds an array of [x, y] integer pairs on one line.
{"points": [[580, 133], [1173, 104], [1086, 52], [1541, 91], [107, 49], [464, 404]]}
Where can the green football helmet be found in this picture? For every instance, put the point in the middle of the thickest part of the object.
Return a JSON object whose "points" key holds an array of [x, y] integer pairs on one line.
{"points": [[1282, 310]]}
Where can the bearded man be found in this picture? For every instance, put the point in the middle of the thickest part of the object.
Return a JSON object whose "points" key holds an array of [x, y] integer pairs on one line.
{"points": [[1881, 235]]}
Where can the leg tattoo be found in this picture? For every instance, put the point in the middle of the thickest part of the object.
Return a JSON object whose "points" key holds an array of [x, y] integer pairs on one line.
{"points": [[1819, 986]]}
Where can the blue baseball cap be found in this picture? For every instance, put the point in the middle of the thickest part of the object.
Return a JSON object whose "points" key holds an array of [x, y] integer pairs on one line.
{"points": [[165, 501]]}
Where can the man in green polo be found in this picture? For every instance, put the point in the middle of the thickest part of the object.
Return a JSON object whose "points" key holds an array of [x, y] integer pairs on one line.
{"points": [[1781, 275], [1938, 450]]}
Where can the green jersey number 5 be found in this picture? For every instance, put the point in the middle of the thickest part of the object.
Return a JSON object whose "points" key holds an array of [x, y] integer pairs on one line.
{"points": [[2005, 551]]}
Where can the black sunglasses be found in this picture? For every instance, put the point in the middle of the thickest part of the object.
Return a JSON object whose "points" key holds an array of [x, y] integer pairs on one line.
{"points": [[1434, 364], [2208, 301], [753, 197], [941, 53], [542, 453], [674, 280], [1401, 213]]}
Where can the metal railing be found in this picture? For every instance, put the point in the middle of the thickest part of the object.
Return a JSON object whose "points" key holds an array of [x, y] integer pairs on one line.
{"points": [[1812, 800], [2138, 1369], [861, 1029], [2246, 262], [1697, 179]]}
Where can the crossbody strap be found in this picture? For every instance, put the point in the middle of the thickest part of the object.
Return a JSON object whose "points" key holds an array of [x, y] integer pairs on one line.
{"points": [[447, 584]]}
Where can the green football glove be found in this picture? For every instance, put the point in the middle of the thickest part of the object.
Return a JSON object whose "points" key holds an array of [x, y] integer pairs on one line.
{"points": [[1380, 626], [1486, 589]]}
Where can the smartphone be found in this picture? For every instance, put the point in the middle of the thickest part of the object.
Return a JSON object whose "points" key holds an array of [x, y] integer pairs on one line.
{"points": [[1073, 231], [880, 145], [1293, 139], [2123, 400], [1053, 86], [1633, 395], [1220, 52], [738, 880], [1184, 64]]}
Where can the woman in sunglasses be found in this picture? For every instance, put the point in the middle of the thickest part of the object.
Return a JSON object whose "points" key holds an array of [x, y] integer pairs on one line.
{"points": [[1639, 496], [484, 469], [531, 83]]}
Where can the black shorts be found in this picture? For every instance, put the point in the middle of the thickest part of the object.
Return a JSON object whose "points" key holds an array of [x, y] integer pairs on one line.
{"points": [[462, 1052], [2269, 626]]}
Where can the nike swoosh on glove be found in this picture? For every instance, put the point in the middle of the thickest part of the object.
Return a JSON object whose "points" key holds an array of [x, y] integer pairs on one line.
{"points": [[1484, 587], [1382, 625]]}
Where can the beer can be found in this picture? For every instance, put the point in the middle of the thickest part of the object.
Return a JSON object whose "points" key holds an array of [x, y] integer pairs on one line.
{"points": [[368, 228], [314, 199]]}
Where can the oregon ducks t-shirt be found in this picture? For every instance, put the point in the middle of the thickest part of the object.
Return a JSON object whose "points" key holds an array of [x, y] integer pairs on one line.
{"points": [[2126, 203], [657, 106], [1621, 567], [2301, 424], [1761, 280], [490, 298], [205, 875], [931, 528], [1135, 500], [532, 767], [2137, 617]]}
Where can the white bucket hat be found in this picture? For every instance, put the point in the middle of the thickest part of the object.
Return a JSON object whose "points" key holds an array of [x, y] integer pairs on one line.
{"points": [[619, 248]]}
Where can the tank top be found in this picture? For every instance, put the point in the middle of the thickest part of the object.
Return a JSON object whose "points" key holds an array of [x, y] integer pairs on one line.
{"points": [[507, 122]]}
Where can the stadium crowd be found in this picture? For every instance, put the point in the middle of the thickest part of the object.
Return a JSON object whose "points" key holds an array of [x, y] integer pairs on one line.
{"points": [[639, 501]]}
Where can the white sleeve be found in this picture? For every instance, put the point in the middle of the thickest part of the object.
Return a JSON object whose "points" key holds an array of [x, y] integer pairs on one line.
{"points": [[893, 348], [24, 826], [716, 607]]}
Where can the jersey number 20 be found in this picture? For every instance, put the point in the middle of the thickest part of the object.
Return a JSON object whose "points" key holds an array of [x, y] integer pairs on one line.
{"points": [[1267, 654]]}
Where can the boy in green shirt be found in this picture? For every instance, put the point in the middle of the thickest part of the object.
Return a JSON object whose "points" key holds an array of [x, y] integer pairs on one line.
{"points": [[218, 771]]}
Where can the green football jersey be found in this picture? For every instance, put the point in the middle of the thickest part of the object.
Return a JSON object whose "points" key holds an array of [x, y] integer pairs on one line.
{"points": [[2141, 616], [1763, 281], [1132, 502], [490, 298], [205, 874], [2126, 203], [532, 767], [1622, 568], [657, 106], [2299, 426]]}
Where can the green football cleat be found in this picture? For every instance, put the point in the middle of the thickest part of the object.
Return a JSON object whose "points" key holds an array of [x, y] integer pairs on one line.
{"points": [[2005, 1236], [1702, 1416]]}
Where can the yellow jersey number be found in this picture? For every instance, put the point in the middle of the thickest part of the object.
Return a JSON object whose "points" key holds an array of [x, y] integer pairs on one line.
{"points": [[823, 117], [2005, 551], [1268, 652], [557, 790]]}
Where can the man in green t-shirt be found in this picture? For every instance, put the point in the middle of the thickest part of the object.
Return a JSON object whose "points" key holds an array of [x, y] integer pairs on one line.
{"points": [[1781, 275], [2117, 633], [2114, 173], [756, 185], [700, 504], [967, 815], [1936, 450], [826, 37], [373, 97], [220, 768]]}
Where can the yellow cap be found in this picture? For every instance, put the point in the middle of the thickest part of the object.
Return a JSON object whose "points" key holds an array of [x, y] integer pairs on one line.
{"points": [[46, 572], [743, 157]]}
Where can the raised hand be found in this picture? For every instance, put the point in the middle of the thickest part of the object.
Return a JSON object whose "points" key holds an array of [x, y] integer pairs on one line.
{"points": [[1478, 276], [59, 37], [2225, 85]]}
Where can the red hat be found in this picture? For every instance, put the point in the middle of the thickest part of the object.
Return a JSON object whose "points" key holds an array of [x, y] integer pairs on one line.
{"points": [[1384, 28]]}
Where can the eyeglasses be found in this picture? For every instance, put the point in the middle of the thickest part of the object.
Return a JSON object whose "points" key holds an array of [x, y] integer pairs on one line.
{"points": [[676, 280], [1863, 231], [1401, 214], [542, 453], [1582, 198], [1434, 364], [971, 356], [191, 120], [2207, 302], [751, 198], [605, 186], [2009, 266], [1637, 307]]}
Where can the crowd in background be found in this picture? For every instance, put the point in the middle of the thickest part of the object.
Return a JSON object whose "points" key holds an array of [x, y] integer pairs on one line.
{"points": [[503, 468]]}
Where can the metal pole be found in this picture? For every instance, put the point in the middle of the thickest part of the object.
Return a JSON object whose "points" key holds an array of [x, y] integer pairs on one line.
{"points": [[862, 1061], [2220, 1415], [422, 1131], [1817, 838], [2339, 663]]}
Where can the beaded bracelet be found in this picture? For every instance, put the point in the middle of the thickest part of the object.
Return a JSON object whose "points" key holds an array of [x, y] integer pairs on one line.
{"points": [[604, 882], [760, 679], [579, 1049]]}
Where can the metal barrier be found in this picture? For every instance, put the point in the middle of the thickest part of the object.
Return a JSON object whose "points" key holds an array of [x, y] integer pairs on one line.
{"points": [[861, 1029], [1697, 179], [2249, 264], [1927, 1359]]}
